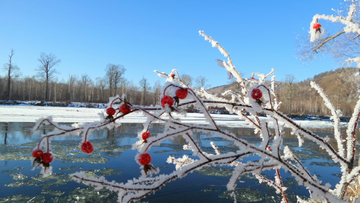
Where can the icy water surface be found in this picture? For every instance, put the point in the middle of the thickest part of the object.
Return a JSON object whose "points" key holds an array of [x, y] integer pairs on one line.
{"points": [[114, 159]]}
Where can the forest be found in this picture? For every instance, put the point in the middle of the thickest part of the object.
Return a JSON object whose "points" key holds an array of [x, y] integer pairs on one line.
{"points": [[44, 86]]}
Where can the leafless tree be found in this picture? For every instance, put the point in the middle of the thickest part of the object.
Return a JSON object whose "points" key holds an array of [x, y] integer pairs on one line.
{"points": [[71, 82], [114, 75], [289, 80], [187, 79], [157, 92], [143, 86], [46, 70], [201, 82], [12, 71], [85, 80], [101, 83], [55, 87]]}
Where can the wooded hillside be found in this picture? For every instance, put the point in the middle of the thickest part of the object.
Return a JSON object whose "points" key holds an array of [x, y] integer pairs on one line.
{"points": [[341, 86]]}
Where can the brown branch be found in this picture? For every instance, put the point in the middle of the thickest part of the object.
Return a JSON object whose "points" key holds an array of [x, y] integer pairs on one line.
{"points": [[328, 39], [42, 122], [355, 37], [316, 137], [198, 149], [164, 181], [279, 176]]}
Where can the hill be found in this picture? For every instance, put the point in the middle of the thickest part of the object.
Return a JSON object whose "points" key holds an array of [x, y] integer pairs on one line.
{"points": [[341, 86]]}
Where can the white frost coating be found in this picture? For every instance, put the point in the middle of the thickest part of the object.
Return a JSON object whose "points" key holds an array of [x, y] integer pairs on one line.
{"points": [[46, 172], [350, 131], [335, 117], [235, 176], [314, 34], [180, 162], [216, 149], [228, 65], [233, 195], [271, 183], [288, 154], [353, 174]]}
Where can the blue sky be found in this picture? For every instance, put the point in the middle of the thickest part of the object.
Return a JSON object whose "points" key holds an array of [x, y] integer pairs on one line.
{"points": [[161, 35]]}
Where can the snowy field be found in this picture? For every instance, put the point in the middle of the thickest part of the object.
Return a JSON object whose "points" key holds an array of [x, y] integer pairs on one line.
{"points": [[73, 114]]}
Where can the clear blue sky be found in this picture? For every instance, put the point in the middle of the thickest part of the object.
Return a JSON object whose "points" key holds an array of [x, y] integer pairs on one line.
{"points": [[161, 35]]}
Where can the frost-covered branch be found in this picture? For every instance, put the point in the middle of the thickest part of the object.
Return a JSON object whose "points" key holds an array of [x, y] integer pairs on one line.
{"points": [[350, 22], [256, 98]]}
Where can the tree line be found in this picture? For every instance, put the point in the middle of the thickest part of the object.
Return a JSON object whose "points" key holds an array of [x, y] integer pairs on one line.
{"points": [[44, 86], [341, 86]]}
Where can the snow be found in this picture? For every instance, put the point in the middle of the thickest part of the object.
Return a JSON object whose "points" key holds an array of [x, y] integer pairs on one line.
{"points": [[73, 114]]}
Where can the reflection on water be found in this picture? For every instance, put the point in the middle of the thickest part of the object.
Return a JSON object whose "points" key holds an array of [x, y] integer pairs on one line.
{"points": [[114, 159]]}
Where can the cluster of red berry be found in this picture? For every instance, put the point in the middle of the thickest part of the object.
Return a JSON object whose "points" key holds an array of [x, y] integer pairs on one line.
{"points": [[44, 157], [180, 93], [125, 108]]}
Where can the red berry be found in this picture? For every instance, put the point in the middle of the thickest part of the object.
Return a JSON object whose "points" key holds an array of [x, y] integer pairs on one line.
{"points": [[167, 100], [37, 153], [87, 147], [144, 159], [47, 157], [125, 108], [172, 75], [256, 93], [110, 111], [146, 135], [181, 93], [316, 26]]}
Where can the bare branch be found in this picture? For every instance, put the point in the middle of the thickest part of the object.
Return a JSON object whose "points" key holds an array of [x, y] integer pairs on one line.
{"points": [[328, 39]]}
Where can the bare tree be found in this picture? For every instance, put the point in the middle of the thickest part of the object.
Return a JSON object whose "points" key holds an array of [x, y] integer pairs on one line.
{"points": [[101, 83], [143, 86], [85, 80], [71, 82], [114, 75], [187, 79], [201, 82], [157, 91], [12, 71], [289, 80], [55, 86], [123, 86], [46, 70]]}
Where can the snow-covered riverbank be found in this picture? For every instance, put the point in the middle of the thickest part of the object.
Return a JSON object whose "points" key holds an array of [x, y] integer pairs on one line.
{"points": [[72, 114]]}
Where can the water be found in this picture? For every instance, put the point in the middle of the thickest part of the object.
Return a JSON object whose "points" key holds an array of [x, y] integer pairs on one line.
{"points": [[114, 159]]}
